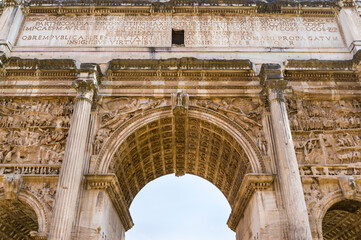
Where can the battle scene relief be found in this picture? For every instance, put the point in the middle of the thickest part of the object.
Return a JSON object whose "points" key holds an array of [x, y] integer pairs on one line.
{"points": [[34, 131], [326, 132]]}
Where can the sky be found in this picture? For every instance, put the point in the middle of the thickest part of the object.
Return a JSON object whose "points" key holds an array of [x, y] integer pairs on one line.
{"points": [[180, 208]]}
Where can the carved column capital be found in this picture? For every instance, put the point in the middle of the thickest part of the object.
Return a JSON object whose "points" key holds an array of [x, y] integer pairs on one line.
{"points": [[86, 84], [274, 83]]}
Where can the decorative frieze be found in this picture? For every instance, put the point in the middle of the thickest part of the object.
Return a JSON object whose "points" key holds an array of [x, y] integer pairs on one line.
{"points": [[31, 169], [33, 130], [326, 131], [330, 170]]}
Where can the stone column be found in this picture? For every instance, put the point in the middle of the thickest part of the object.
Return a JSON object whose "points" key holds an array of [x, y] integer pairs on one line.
{"points": [[73, 161], [10, 23], [286, 162]]}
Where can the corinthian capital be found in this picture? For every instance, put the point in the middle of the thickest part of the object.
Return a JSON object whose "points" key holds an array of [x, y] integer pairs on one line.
{"points": [[87, 83]]}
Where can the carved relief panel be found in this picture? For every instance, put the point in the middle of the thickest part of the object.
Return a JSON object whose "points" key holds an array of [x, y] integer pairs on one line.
{"points": [[45, 191], [326, 131], [33, 130], [113, 112], [247, 113]]}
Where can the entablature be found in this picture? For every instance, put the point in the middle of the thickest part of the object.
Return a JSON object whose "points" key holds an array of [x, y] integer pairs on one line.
{"points": [[147, 77], [230, 7]]}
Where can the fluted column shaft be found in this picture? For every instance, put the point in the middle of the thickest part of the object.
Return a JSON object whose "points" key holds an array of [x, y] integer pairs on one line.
{"points": [[73, 161], [286, 161]]}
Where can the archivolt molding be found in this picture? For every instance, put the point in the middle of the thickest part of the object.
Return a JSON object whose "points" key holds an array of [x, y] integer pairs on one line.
{"points": [[321, 192], [121, 133], [319, 211], [41, 210]]}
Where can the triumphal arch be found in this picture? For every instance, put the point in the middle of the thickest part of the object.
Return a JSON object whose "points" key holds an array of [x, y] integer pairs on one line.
{"points": [[100, 97]]}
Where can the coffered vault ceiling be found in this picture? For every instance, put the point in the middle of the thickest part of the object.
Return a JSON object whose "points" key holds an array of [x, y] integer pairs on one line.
{"points": [[17, 220], [180, 146]]}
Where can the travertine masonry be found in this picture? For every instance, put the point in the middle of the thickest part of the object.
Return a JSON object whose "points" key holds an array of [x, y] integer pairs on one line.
{"points": [[262, 99]]}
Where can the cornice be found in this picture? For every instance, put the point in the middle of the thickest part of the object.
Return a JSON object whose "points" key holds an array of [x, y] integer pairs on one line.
{"points": [[180, 63], [109, 182], [43, 64], [250, 184], [318, 70], [224, 7], [319, 65]]}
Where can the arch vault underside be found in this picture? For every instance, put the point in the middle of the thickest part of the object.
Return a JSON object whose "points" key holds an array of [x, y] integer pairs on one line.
{"points": [[190, 146]]}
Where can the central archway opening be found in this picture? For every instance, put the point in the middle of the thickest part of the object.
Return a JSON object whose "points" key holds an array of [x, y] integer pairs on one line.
{"points": [[181, 144], [174, 208]]}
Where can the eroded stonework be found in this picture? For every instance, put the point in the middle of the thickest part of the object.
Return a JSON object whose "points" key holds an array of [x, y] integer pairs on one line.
{"points": [[34, 130], [99, 98], [326, 131]]}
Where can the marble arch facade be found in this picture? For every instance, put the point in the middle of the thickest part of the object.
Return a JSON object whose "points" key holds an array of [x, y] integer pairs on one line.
{"points": [[262, 99]]}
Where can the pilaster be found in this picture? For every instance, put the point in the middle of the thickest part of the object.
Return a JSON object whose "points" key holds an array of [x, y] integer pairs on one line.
{"points": [[73, 162], [10, 23], [286, 162]]}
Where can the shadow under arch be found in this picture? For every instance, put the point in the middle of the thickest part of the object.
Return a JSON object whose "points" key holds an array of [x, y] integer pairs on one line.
{"points": [[342, 221], [34, 214], [322, 207]]}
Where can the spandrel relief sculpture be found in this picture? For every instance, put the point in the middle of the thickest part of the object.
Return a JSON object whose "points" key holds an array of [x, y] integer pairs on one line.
{"points": [[245, 112], [45, 191], [33, 130], [326, 132], [114, 112]]}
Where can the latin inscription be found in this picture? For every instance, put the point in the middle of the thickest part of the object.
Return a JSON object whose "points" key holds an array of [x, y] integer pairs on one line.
{"points": [[200, 31]]}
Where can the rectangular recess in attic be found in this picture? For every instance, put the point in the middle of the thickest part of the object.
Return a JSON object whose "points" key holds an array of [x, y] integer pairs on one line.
{"points": [[177, 37]]}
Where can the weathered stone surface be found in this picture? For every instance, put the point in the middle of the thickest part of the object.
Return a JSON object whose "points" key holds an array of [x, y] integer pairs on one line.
{"points": [[277, 151], [155, 31]]}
